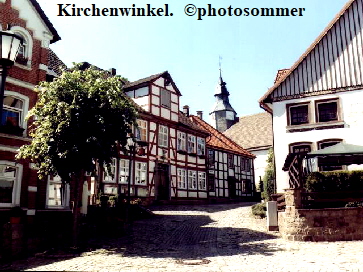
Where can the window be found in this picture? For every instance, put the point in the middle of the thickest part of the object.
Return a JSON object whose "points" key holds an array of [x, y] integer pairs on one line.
{"points": [[181, 141], [230, 161], [326, 111], [58, 193], [202, 181], [141, 131], [211, 158], [245, 165], [191, 144], [297, 148], [182, 179], [165, 98], [246, 186], [140, 173], [22, 48], [109, 175], [10, 177], [211, 185], [298, 114], [326, 143], [12, 111], [192, 179], [141, 92], [201, 146], [124, 171], [25, 51], [163, 136]]}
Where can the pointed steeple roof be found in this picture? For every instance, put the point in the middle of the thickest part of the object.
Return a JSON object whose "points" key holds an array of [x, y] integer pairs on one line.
{"points": [[221, 94], [221, 88]]}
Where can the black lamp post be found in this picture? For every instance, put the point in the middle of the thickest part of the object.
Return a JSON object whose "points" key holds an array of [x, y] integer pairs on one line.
{"points": [[9, 46], [131, 145]]}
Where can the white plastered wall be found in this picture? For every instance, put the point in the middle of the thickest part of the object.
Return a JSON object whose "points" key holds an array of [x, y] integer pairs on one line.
{"points": [[351, 113]]}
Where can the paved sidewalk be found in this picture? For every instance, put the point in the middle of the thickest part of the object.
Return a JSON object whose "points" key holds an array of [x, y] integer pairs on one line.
{"points": [[205, 238]]}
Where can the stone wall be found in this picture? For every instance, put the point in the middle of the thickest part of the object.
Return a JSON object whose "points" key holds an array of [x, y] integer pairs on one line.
{"points": [[331, 224]]}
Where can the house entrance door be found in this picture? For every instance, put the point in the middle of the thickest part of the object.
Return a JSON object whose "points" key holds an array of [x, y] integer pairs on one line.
{"points": [[232, 187], [162, 182]]}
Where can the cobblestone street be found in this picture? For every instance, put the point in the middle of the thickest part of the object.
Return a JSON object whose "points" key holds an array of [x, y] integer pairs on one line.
{"points": [[205, 238]]}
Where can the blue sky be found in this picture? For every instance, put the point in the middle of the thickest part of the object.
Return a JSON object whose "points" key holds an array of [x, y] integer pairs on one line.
{"points": [[252, 48]]}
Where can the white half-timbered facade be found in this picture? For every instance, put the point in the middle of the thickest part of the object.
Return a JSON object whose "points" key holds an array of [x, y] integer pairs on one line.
{"points": [[170, 162], [230, 167], [318, 102]]}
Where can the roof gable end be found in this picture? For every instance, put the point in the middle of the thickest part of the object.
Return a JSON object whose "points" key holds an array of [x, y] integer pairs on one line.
{"points": [[332, 63]]}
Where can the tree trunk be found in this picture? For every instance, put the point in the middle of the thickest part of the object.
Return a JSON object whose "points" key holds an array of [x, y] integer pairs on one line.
{"points": [[78, 187]]}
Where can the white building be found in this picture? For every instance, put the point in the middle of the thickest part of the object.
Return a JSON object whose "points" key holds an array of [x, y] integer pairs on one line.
{"points": [[319, 101]]}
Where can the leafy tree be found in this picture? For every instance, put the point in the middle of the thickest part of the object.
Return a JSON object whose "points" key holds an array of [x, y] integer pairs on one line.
{"points": [[269, 177], [80, 119]]}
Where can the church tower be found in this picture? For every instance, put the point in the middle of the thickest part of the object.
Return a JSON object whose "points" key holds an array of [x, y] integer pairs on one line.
{"points": [[222, 115]]}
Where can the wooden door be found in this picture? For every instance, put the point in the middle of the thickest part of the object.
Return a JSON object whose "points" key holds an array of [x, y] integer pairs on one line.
{"points": [[162, 182]]}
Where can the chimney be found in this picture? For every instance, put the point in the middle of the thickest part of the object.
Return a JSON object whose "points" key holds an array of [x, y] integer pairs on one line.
{"points": [[200, 114], [112, 71], [186, 110]]}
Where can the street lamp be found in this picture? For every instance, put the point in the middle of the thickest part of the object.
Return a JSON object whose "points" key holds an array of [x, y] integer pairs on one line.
{"points": [[9, 46], [130, 145]]}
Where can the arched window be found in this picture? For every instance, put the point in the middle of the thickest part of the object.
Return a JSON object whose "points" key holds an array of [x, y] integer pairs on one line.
{"points": [[25, 50], [326, 143]]}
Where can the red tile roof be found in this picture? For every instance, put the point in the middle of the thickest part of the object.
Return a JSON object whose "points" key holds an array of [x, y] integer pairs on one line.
{"points": [[280, 74], [218, 140]]}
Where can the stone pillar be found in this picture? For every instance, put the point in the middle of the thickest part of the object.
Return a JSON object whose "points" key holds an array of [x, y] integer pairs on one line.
{"points": [[272, 216], [293, 198]]}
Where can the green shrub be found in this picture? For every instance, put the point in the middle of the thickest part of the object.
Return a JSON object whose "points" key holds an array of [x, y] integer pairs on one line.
{"points": [[259, 210], [269, 177], [334, 181]]}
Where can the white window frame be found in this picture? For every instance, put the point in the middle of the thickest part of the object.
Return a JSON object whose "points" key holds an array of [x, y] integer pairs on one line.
{"points": [[191, 144], [123, 171], [202, 181], [165, 98], [141, 130], [163, 136], [25, 100], [182, 178], [62, 198], [140, 172], [181, 141], [192, 179], [107, 178], [200, 146], [16, 185], [28, 41]]}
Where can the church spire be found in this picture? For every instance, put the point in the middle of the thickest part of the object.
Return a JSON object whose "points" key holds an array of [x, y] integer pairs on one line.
{"points": [[222, 115]]}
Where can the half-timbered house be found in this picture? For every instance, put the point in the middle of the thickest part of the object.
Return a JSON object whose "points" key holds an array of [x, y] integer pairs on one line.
{"points": [[230, 167], [170, 161], [318, 102]]}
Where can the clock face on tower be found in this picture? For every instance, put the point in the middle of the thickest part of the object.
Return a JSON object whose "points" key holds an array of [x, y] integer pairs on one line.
{"points": [[230, 115]]}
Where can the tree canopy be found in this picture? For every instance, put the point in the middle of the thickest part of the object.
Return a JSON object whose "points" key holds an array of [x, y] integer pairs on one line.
{"points": [[78, 120]]}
